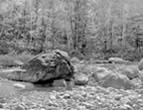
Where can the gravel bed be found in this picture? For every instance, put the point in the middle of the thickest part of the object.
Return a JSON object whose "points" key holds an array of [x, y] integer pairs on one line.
{"points": [[80, 98]]}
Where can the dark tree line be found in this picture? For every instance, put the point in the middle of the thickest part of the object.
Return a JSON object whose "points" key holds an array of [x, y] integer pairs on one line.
{"points": [[87, 28]]}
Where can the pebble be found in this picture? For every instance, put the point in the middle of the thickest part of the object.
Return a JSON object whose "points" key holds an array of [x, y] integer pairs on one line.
{"points": [[123, 108], [118, 97], [130, 103], [81, 108], [128, 107], [2, 100], [52, 97], [20, 107], [1, 106], [66, 96]]}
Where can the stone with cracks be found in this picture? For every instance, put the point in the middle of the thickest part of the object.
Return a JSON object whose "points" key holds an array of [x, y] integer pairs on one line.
{"points": [[45, 68]]}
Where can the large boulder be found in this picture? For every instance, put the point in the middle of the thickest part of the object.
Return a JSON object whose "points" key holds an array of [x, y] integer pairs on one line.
{"points": [[45, 68], [100, 74], [140, 65], [131, 71], [118, 81]]}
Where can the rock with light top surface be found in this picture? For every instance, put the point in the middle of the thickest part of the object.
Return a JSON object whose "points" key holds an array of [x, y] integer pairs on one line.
{"points": [[60, 83], [19, 86], [81, 79], [117, 60]]}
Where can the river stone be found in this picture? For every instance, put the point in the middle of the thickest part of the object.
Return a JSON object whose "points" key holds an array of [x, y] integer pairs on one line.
{"points": [[60, 83], [131, 71], [117, 60], [74, 60], [81, 79], [20, 107], [140, 65], [100, 73], [117, 81], [46, 67]]}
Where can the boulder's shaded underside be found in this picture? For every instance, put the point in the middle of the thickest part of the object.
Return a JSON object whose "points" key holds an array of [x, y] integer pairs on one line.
{"points": [[45, 68]]}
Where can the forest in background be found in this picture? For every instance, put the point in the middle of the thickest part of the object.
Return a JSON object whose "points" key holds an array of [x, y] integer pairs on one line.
{"points": [[86, 29]]}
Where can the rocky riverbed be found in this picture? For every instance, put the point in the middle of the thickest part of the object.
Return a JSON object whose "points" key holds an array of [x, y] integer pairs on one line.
{"points": [[80, 98], [87, 97]]}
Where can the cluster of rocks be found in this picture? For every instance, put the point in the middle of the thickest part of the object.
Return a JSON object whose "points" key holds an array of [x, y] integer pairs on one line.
{"points": [[117, 88], [58, 69], [121, 76], [80, 98]]}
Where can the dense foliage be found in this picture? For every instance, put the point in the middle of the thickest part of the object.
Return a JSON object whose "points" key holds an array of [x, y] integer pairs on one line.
{"points": [[84, 28]]}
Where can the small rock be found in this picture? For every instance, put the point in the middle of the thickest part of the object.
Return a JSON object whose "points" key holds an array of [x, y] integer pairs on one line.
{"points": [[60, 83], [81, 79], [2, 100], [81, 108], [74, 60], [20, 107], [1, 106], [52, 97], [130, 103], [70, 85], [122, 108], [126, 107], [118, 97], [19, 86]]}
